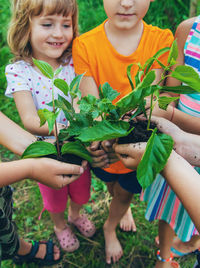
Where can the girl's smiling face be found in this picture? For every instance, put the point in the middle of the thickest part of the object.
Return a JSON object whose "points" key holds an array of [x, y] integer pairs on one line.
{"points": [[50, 37]]}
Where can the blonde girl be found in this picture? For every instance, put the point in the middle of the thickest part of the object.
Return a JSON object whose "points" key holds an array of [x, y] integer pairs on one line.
{"points": [[45, 29]]}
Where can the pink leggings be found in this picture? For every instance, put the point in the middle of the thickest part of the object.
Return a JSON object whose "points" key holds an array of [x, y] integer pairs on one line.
{"points": [[55, 201]]}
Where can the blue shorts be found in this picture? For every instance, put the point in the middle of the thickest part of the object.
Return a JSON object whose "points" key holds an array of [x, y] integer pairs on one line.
{"points": [[127, 181]]}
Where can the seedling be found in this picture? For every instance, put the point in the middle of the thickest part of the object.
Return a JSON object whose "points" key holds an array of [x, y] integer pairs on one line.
{"points": [[42, 148]]}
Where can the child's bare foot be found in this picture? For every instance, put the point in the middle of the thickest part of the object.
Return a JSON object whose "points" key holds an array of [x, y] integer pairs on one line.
{"points": [[127, 222], [113, 248]]}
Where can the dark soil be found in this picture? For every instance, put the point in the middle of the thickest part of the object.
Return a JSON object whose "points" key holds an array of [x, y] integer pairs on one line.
{"points": [[67, 158], [139, 133]]}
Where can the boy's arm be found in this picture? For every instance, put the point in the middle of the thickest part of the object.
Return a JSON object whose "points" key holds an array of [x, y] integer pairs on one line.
{"points": [[28, 113], [88, 86]]}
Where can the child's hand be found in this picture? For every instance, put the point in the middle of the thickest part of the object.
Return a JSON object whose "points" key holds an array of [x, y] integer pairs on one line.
{"points": [[99, 156], [54, 173], [130, 154], [108, 148]]}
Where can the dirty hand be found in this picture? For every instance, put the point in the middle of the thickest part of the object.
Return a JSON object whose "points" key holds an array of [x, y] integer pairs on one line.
{"points": [[99, 156], [130, 154], [108, 148]]}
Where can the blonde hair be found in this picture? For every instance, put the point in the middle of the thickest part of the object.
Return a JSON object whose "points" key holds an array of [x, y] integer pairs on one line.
{"points": [[19, 30]]}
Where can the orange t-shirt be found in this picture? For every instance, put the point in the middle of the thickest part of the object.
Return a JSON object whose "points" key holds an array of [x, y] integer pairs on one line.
{"points": [[94, 55]]}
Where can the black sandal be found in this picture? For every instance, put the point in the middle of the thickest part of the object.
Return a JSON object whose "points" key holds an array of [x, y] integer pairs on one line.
{"points": [[48, 260]]}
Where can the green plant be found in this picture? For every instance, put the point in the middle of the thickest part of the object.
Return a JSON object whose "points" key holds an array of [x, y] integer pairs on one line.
{"points": [[85, 126], [42, 148], [159, 146]]}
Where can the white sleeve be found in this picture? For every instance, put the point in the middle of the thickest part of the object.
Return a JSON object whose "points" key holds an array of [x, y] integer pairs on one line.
{"points": [[17, 79]]}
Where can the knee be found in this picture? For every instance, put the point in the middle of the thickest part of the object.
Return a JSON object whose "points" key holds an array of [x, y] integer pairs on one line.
{"points": [[123, 195]]}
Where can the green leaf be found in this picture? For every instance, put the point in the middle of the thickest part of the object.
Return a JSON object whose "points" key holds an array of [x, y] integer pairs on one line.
{"points": [[38, 149], [132, 100], [89, 104], [76, 148], [173, 53], [75, 84], [129, 76], [147, 80], [42, 117], [108, 92], [57, 71], [65, 106], [157, 152], [178, 89], [138, 77], [151, 60], [164, 101], [104, 130], [44, 67], [187, 75], [50, 117], [62, 85]]}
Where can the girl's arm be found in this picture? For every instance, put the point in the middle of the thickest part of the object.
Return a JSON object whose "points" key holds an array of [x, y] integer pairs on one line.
{"points": [[181, 35], [13, 136], [180, 175], [28, 113], [185, 182], [46, 171], [186, 122]]}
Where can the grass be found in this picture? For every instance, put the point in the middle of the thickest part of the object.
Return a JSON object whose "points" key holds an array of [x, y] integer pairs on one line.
{"points": [[139, 248]]}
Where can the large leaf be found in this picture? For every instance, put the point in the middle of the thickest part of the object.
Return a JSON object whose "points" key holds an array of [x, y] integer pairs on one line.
{"points": [[179, 89], [38, 149], [83, 120], [187, 75], [157, 152], [76, 148], [104, 130], [62, 85], [44, 67]]}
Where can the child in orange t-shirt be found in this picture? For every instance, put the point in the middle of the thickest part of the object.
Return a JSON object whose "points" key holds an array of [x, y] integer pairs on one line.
{"points": [[103, 54]]}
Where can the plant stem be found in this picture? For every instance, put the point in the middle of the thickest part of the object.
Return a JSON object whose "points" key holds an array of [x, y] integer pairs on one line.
{"points": [[55, 124], [151, 109]]}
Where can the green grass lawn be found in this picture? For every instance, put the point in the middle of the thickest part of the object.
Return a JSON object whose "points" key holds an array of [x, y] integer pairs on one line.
{"points": [[139, 248]]}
